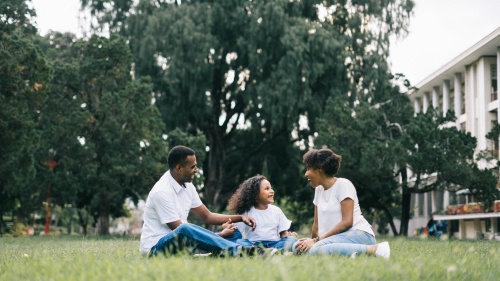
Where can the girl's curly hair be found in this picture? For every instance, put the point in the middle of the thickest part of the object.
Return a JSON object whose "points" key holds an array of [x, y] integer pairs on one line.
{"points": [[246, 195]]}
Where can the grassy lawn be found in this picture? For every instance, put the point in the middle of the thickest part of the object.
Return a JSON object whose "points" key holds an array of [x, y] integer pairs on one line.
{"points": [[79, 258]]}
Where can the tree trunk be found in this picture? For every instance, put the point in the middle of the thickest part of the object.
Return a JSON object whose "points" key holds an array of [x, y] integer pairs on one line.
{"points": [[215, 175], [83, 221], [104, 219], [2, 223], [390, 218], [70, 222], [405, 203]]}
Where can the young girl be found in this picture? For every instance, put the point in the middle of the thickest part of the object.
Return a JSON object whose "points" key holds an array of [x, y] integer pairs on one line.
{"points": [[254, 198]]}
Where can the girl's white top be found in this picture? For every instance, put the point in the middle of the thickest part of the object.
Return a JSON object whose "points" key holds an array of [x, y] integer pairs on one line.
{"points": [[270, 222]]}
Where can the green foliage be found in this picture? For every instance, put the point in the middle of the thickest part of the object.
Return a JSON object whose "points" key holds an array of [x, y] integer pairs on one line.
{"points": [[16, 15], [367, 137], [84, 258], [244, 72], [380, 138], [100, 126], [24, 74], [435, 146]]}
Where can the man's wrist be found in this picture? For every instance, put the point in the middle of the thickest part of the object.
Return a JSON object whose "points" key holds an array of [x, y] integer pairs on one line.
{"points": [[316, 239]]}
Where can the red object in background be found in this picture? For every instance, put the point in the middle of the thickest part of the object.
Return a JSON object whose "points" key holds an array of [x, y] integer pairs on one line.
{"points": [[496, 206], [52, 164], [47, 213]]}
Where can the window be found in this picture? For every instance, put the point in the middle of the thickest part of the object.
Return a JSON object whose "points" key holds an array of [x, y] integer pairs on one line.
{"points": [[462, 91], [494, 83]]}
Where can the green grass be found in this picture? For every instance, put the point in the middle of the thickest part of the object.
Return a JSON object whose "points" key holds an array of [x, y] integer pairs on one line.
{"points": [[79, 258]]}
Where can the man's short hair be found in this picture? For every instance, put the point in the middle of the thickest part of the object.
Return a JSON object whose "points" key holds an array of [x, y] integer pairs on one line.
{"points": [[178, 155]]}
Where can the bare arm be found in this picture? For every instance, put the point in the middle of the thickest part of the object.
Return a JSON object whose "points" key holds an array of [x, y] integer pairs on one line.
{"points": [[314, 231], [208, 217], [173, 225], [285, 233], [347, 210]]}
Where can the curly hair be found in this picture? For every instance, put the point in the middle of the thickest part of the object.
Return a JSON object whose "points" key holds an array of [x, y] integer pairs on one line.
{"points": [[323, 159], [246, 195]]}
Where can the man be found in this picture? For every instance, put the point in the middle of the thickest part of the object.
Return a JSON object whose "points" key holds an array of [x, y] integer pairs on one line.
{"points": [[167, 207]]}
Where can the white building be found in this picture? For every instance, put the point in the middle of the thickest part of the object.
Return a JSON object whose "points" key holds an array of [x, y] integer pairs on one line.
{"points": [[469, 85]]}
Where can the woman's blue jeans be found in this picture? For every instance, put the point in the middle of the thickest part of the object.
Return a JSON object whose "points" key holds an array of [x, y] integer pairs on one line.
{"points": [[284, 243], [345, 243], [193, 236]]}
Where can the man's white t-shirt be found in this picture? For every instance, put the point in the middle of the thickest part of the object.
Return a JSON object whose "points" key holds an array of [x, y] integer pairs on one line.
{"points": [[270, 222], [167, 202], [329, 210]]}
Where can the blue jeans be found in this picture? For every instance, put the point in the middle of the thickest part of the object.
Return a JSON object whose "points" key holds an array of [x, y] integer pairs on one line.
{"points": [[345, 243], [284, 243], [193, 236]]}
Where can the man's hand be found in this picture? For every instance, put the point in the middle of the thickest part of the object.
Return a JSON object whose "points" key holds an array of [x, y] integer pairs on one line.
{"points": [[288, 233], [249, 221], [304, 245]]}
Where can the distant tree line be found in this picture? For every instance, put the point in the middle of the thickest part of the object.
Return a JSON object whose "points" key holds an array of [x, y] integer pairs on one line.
{"points": [[250, 85]]}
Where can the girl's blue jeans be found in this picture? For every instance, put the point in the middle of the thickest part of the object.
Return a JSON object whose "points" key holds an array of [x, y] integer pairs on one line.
{"points": [[345, 243], [284, 243]]}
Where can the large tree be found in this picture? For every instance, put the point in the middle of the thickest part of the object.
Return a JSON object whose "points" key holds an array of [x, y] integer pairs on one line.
{"points": [[24, 73], [381, 141], [367, 137], [440, 157], [246, 72], [100, 126]]}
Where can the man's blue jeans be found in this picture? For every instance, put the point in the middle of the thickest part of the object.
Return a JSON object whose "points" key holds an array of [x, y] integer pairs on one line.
{"points": [[193, 236], [284, 243], [345, 243]]}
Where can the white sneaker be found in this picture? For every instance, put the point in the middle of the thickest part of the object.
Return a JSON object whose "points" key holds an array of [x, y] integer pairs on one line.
{"points": [[202, 255], [383, 250], [353, 255], [272, 252]]}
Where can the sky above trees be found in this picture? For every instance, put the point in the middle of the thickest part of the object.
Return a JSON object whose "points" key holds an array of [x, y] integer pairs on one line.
{"points": [[443, 28]]}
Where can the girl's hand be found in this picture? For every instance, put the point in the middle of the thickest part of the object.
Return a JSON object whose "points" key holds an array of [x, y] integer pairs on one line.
{"points": [[227, 224], [227, 229], [227, 232], [304, 245]]}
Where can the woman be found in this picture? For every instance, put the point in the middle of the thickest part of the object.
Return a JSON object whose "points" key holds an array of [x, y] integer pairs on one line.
{"points": [[339, 227]]}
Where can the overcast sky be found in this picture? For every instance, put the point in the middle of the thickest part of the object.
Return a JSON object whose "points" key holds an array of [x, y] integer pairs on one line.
{"points": [[440, 30]]}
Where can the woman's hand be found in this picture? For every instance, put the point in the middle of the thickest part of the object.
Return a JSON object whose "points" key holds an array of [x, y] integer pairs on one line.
{"points": [[304, 245]]}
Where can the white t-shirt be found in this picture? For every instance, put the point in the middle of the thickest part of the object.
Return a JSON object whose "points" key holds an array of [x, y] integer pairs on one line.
{"points": [[270, 222], [167, 202], [329, 210]]}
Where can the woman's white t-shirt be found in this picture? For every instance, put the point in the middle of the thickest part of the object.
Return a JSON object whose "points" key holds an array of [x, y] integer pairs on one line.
{"points": [[270, 222], [329, 210]]}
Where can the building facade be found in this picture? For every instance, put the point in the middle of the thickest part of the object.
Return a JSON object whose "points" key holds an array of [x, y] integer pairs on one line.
{"points": [[469, 85]]}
